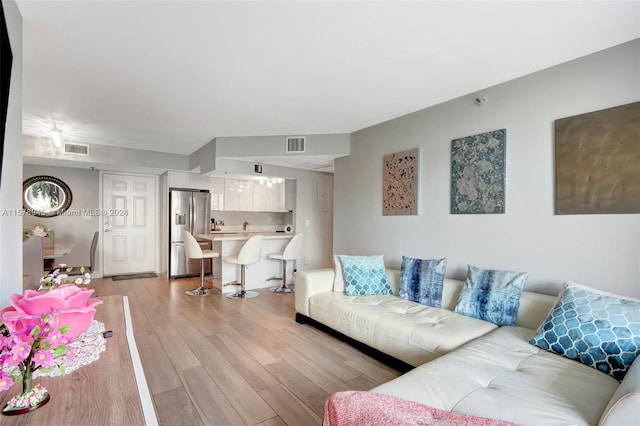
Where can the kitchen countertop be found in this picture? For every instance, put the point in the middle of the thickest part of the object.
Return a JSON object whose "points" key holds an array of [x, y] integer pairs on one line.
{"points": [[240, 236]]}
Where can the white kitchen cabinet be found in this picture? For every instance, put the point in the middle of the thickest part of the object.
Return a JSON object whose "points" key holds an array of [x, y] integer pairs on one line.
{"points": [[275, 198], [231, 195], [245, 190], [187, 180], [260, 197], [290, 195], [179, 179], [268, 197], [238, 195], [216, 188], [247, 195]]}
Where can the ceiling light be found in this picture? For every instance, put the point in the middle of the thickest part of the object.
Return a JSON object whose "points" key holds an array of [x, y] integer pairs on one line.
{"points": [[55, 136]]}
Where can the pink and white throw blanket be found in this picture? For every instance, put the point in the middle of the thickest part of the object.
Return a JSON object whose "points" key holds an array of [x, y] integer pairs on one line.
{"points": [[358, 408]]}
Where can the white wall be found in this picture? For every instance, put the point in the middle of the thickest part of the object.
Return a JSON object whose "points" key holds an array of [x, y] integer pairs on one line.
{"points": [[602, 251], [265, 146], [11, 183], [71, 228]]}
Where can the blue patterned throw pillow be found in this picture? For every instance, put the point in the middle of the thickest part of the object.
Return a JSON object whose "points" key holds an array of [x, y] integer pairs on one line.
{"points": [[491, 295], [598, 329], [364, 275], [422, 280]]}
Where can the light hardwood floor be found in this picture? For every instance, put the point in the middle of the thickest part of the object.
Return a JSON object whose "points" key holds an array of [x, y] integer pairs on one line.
{"points": [[215, 361]]}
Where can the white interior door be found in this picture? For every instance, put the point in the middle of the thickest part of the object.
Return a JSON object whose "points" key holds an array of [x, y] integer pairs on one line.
{"points": [[128, 223]]}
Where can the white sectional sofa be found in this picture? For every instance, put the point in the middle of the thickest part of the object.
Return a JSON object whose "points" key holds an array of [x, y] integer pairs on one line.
{"points": [[408, 331], [468, 365]]}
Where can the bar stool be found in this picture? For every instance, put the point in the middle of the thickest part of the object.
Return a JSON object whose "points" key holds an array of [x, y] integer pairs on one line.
{"points": [[193, 250], [291, 252], [251, 252]]}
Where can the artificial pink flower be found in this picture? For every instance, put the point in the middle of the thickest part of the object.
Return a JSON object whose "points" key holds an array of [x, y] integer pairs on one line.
{"points": [[12, 360], [78, 320], [4, 342], [71, 304], [19, 324], [19, 352], [5, 382], [43, 358], [43, 302], [54, 339], [38, 231]]}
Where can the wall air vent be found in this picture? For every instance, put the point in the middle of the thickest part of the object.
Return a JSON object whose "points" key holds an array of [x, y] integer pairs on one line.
{"points": [[295, 144], [76, 148]]}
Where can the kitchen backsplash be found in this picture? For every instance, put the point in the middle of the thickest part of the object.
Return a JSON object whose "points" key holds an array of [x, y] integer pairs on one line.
{"points": [[266, 219]]}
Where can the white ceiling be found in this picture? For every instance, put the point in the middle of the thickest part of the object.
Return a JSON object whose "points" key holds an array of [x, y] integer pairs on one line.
{"points": [[171, 75]]}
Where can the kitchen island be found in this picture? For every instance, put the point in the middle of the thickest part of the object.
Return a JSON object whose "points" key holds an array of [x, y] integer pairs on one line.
{"points": [[230, 243]]}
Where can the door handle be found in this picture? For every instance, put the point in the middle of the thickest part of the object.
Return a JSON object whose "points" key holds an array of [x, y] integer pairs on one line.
{"points": [[107, 230]]}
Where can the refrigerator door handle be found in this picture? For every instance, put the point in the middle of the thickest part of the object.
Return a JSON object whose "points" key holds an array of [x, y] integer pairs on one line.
{"points": [[191, 214]]}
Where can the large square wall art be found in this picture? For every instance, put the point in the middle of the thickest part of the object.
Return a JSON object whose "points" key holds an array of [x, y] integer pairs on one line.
{"points": [[401, 175], [478, 173], [598, 161]]}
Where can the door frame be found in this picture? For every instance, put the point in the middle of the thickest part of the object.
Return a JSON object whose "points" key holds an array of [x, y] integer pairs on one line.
{"points": [[156, 210]]}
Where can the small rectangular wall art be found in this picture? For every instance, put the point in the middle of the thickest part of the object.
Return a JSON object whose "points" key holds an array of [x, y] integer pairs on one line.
{"points": [[401, 177], [478, 173]]}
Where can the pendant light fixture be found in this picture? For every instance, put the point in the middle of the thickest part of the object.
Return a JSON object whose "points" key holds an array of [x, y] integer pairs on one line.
{"points": [[55, 136]]}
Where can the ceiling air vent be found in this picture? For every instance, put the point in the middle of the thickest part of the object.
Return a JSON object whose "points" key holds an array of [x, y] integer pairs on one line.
{"points": [[295, 144], [76, 148]]}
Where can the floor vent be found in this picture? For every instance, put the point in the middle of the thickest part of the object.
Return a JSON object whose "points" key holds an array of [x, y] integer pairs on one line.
{"points": [[76, 148], [295, 144]]}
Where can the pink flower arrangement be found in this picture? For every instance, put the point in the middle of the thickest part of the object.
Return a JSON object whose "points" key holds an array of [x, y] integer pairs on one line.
{"points": [[35, 346], [38, 230], [59, 276], [39, 326]]}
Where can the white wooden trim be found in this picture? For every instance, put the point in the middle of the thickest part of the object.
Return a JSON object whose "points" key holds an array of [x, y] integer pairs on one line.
{"points": [[148, 411]]}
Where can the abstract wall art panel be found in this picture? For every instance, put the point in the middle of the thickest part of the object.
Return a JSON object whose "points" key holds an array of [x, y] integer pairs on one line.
{"points": [[400, 181], [597, 158], [478, 173]]}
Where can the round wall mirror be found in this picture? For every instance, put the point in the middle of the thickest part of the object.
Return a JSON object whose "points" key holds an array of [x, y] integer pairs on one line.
{"points": [[45, 196]]}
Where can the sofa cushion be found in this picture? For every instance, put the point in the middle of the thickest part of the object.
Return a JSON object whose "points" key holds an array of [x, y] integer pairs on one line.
{"points": [[364, 275], [599, 329], [501, 376], [421, 280], [406, 330], [491, 295]]}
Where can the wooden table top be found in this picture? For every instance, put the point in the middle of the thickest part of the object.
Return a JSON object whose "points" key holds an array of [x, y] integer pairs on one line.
{"points": [[101, 393], [57, 250]]}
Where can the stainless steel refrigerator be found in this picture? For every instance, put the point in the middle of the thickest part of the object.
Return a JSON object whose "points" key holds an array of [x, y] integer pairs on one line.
{"points": [[189, 210]]}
